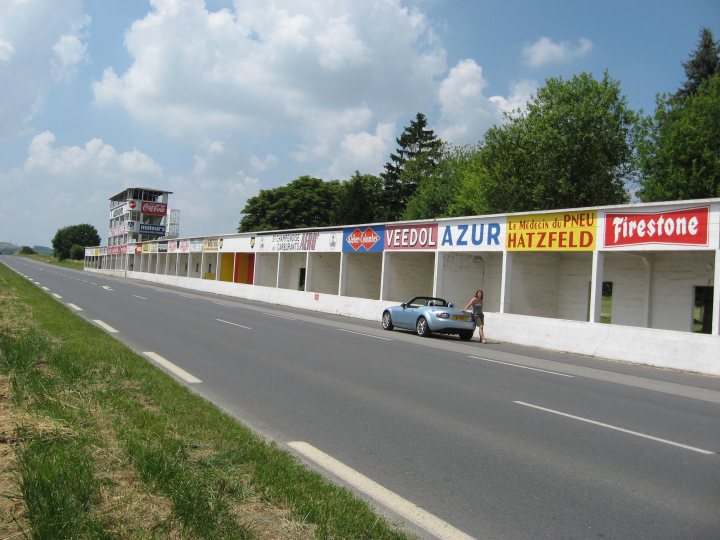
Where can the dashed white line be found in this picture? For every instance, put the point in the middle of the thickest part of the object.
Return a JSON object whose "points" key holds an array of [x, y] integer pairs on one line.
{"points": [[140, 297], [616, 428], [412, 512], [76, 308], [56, 295], [361, 334], [106, 287], [45, 289], [279, 316], [523, 367], [105, 326], [180, 372], [234, 324]]}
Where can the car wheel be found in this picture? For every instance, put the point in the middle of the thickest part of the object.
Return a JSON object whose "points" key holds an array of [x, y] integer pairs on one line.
{"points": [[466, 336], [387, 321], [423, 330]]}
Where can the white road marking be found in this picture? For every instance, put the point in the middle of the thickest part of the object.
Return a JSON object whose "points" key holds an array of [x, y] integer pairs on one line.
{"points": [[106, 287], [523, 367], [616, 428], [76, 308], [140, 297], [45, 289], [56, 295], [279, 316], [180, 372], [105, 326], [432, 524], [361, 334], [234, 324]]}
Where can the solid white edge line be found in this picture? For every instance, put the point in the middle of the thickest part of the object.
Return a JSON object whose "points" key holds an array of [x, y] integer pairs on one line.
{"points": [[180, 372], [523, 367], [76, 308], [616, 428], [361, 334], [234, 324], [56, 295], [412, 512], [105, 326]]}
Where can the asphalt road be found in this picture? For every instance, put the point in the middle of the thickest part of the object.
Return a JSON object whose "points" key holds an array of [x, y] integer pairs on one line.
{"points": [[496, 440]]}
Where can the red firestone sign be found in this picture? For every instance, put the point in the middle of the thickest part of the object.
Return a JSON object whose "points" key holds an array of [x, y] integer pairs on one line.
{"points": [[688, 226]]}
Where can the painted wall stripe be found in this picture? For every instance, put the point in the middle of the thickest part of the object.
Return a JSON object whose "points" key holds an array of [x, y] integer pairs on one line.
{"points": [[423, 519], [172, 368]]}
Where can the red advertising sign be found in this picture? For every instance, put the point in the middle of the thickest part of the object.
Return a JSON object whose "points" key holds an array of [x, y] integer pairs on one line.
{"points": [[132, 205], [153, 208], [688, 226], [138, 249], [411, 236]]}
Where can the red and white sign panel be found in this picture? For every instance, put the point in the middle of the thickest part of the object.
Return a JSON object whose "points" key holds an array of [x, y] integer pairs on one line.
{"points": [[411, 236], [153, 208], [687, 227]]}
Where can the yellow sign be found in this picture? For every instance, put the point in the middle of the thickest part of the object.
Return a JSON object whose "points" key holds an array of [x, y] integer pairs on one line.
{"points": [[146, 248], [210, 244], [561, 231]]}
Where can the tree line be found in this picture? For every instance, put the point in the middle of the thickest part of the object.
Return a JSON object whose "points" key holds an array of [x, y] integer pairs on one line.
{"points": [[577, 143]]}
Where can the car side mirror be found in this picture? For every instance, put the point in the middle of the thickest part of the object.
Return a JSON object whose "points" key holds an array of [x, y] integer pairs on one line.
{"points": [[451, 304], [403, 305]]}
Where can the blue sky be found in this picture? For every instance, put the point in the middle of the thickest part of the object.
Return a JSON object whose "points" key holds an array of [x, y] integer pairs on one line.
{"points": [[217, 99]]}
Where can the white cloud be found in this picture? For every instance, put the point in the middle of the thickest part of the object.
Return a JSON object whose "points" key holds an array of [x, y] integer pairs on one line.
{"points": [[65, 185], [310, 70], [70, 52], [6, 50], [466, 112], [263, 164], [363, 152], [545, 51], [41, 41]]}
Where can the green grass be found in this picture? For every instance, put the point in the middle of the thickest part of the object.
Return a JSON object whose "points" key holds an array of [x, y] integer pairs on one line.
{"points": [[107, 445], [66, 263]]}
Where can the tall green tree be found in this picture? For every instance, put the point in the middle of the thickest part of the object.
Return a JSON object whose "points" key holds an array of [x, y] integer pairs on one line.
{"points": [[571, 147], [444, 192], [360, 200], [703, 64], [679, 147], [68, 239], [304, 202], [418, 153]]}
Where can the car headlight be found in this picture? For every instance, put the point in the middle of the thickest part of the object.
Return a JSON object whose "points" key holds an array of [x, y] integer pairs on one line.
{"points": [[442, 315]]}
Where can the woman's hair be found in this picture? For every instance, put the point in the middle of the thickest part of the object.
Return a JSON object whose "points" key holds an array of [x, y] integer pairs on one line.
{"points": [[479, 292]]}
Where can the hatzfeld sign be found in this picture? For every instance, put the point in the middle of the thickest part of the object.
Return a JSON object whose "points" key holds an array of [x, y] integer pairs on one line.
{"points": [[687, 226]]}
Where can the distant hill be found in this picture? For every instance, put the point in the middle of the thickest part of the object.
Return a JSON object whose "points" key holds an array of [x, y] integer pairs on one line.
{"points": [[8, 249]]}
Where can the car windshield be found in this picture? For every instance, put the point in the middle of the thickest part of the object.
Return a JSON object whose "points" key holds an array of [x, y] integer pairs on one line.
{"points": [[420, 301]]}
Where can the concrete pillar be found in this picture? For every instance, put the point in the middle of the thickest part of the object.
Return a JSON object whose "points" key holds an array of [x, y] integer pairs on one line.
{"points": [[506, 283], [598, 267]]}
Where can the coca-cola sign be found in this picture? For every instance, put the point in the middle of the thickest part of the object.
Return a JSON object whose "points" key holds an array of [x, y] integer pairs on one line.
{"points": [[153, 208], [688, 226]]}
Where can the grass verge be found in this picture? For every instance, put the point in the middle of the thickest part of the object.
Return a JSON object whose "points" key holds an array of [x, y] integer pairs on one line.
{"points": [[96, 442]]}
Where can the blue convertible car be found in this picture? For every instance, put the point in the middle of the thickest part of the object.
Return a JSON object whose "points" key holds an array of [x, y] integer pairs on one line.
{"points": [[427, 314]]}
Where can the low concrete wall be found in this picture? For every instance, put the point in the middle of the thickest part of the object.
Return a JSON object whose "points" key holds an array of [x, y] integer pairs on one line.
{"points": [[661, 348]]}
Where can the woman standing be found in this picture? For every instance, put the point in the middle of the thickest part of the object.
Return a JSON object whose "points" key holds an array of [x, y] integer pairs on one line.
{"points": [[477, 310]]}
